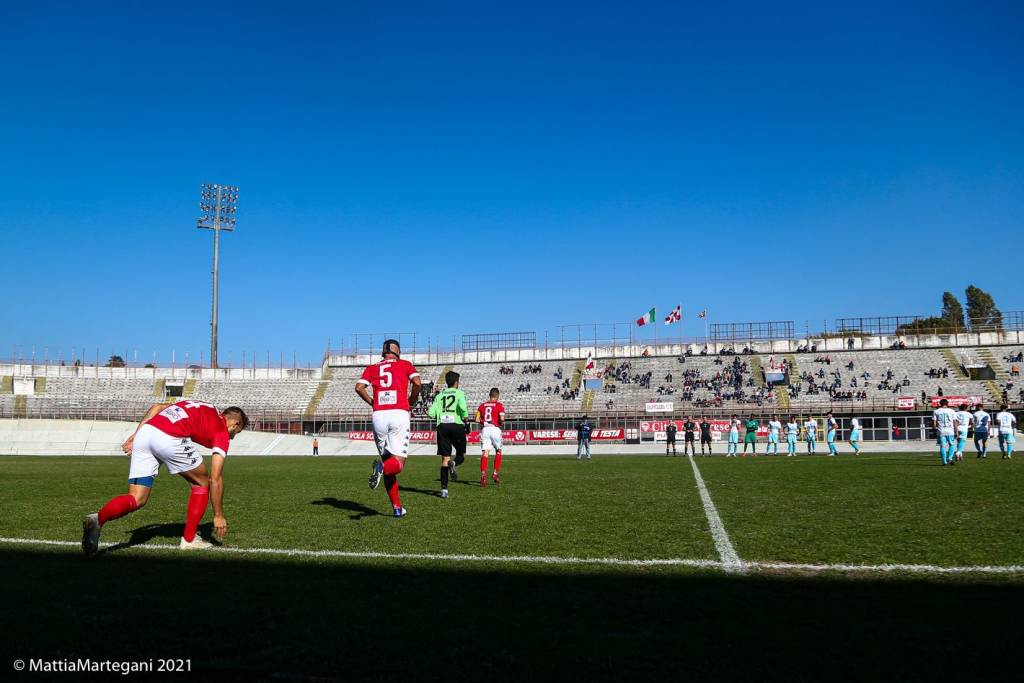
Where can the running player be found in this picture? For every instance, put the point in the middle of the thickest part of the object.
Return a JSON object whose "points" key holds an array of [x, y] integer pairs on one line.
{"points": [[491, 414], [449, 412], [670, 438], [705, 434], [750, 436], [831, 432], [982, 420], [1007, 438], [734, 436], [811, 434], [792, 432], [944, 422], [963, 421], [389, 378], [774, 429], [168, 434], [855, 435], [689, 427]]}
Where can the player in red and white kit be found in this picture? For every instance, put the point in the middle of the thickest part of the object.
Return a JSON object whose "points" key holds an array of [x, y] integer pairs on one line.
{"points": [[168, 435], [491, 414], [389, 379]]}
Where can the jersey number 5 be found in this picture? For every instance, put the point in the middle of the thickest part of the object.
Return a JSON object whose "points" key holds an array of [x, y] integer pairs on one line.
{"points": [[385, 376]]}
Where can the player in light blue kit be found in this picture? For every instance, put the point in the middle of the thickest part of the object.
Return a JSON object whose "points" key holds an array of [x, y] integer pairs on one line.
{"points": [[855, 435], [944, 422], [774, 428], [734, 437], [792, 432], [831, 431], [982, 421], [811, 434], [963, 427], [1007, 438]]}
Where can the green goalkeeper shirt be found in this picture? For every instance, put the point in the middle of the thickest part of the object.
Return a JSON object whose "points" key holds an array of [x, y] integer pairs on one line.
{"points": [[449, 407]]}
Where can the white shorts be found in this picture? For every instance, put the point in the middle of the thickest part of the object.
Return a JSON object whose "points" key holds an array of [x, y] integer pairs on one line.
{"points": [[391, 431], [490, 438], [152, 447]]}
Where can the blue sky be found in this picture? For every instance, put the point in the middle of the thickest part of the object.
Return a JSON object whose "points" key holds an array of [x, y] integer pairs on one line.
{"points": [[455, 168]]}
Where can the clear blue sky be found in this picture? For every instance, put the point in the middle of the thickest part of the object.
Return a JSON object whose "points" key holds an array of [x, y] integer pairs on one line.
{"points": [[459, 168]]}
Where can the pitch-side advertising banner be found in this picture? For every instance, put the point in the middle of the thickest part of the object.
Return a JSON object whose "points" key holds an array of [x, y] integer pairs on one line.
{"points": [[956, 401]]}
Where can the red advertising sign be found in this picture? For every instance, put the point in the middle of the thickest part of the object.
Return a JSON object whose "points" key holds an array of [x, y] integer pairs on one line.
{"points": [[956, 401], [508, 436], [418, 437]]}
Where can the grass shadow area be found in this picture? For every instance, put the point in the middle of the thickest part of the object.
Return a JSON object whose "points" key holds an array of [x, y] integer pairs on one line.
{"points": [[241, 619]]}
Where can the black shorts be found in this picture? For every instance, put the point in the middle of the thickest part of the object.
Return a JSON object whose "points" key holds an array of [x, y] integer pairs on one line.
{"points": [[705, 439], [689, 436], [449, 436], [671, 438]]}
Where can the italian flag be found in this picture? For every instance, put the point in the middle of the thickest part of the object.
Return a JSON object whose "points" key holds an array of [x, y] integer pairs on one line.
{"points": [[646, 319]]}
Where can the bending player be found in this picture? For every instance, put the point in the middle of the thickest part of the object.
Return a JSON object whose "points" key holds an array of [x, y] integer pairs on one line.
{"points": [[168, 434], [449, 411], [491, 414], [389, 378]]}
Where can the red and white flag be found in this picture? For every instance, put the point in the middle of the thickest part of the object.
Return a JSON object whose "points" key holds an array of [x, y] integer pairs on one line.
{"points": [[703, 314], [675, 315], [590, 361]]}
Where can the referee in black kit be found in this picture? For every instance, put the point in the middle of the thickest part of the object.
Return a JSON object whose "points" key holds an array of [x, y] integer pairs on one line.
{"points": [[670, 437]]}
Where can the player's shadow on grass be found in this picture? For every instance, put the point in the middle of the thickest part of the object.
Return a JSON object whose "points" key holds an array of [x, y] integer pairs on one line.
{"points": [[359, 509], [145, 534]]}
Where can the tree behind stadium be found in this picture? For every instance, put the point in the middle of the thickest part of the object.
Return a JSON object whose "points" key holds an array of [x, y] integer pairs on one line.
{"points": [[952, 311], [981, 309]]}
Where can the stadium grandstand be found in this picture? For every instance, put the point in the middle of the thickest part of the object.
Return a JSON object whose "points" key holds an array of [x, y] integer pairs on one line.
{"points": [[624, 385]]}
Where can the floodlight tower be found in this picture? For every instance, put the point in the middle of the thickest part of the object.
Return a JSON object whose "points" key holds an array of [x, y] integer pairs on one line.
{"points": [[218, 205]]}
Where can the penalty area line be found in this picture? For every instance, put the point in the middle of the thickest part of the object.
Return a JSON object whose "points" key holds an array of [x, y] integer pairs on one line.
{"points": [[555, 560]]}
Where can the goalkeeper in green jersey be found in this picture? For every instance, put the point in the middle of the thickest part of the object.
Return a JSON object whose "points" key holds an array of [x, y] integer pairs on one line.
{"points": [[449, 411]]}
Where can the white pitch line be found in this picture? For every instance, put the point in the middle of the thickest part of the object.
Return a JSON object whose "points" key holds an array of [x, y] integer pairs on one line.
{"points": [[544, 559], [730, 560]]}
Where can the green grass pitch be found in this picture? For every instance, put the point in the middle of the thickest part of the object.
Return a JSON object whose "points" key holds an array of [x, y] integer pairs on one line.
{"points": [[243, 616]]}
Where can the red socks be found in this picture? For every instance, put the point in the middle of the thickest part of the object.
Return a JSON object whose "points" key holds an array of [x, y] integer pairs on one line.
{"points": [[391, 486], [392, 466], [483, 464], [197, 502], [497, 461], [118, 507]]}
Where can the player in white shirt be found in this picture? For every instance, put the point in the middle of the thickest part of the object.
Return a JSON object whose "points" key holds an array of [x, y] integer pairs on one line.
{"points": [[944, 422], [734, 436], [811, 434], [1007, 422], [963, 422], [774, 428], [792, 432], [982, 421], [855, 435], [831, 432]]}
